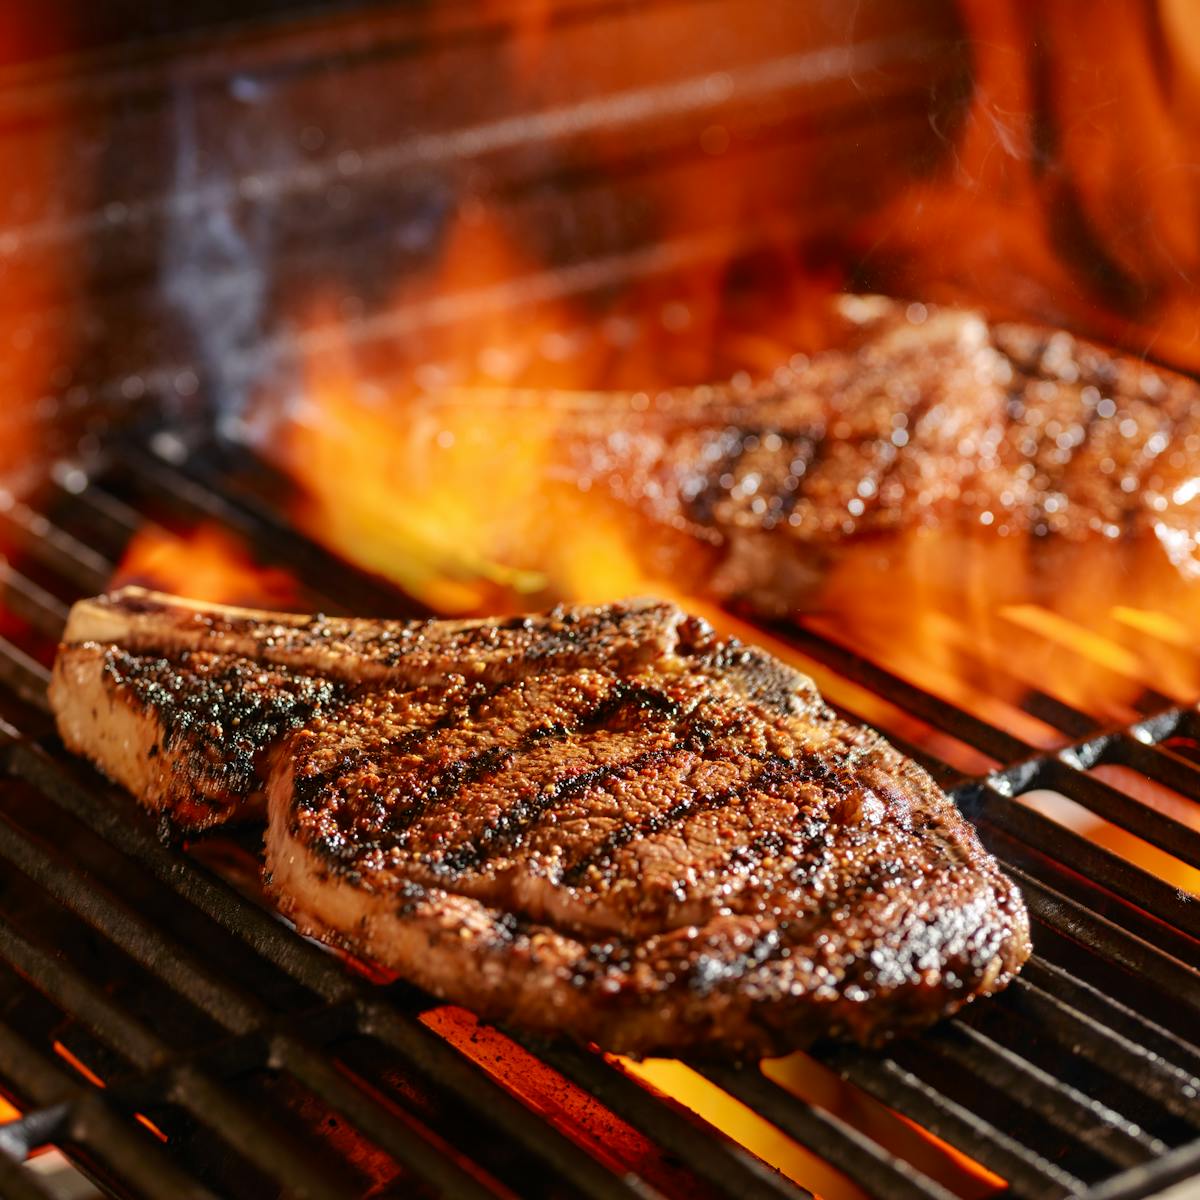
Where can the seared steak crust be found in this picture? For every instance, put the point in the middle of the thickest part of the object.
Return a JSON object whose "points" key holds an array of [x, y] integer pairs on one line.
{"points": [[611, 823], [381, 652], [653, 862], [186, 734]]}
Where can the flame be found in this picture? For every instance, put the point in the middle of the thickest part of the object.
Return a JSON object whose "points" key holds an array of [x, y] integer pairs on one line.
{"points": [[206, 563], [1053, 200], [451, 483], [456, 498]]}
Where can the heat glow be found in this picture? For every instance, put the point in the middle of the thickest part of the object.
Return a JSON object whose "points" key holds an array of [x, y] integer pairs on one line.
{"points": [[206, 562]]}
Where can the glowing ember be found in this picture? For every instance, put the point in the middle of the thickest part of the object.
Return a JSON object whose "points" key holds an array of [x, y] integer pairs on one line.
{"points": [[206, 563], [556, 1099], [95, 1080]]}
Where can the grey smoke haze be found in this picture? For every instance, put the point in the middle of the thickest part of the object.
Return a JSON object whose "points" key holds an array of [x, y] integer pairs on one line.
{"points": [[216, 263]]}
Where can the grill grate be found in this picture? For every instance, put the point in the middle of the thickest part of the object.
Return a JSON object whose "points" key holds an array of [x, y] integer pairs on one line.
{"points": [[272, 1069]]}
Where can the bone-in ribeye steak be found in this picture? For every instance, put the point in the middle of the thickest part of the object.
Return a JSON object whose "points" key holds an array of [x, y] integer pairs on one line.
{"points": [[605, 822]]}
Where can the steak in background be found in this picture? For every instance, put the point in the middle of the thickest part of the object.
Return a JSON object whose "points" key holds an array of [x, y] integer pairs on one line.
{"points": [[923, 418]]}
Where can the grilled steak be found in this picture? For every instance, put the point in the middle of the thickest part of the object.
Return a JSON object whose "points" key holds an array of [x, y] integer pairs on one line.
{"points": [[602, 821], [934, 420]]}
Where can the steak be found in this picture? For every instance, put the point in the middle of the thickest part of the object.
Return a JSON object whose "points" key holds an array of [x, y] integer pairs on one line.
{"points": [[921, 419], [605, 822]]}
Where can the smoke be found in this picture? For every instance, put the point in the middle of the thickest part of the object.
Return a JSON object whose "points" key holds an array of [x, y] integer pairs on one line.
{"points": [[219, 242]]}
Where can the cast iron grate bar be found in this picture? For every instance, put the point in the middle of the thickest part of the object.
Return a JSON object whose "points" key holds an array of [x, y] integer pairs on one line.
{"points": [[995, 806], [1078, 1116], [1152, 1179], [1136, 1067], [284, 1160], [16, 1183], [1108, 940], [110, 1138], [734, 1170], [1027, 1172], [1106, 1013], [853, 1153]]}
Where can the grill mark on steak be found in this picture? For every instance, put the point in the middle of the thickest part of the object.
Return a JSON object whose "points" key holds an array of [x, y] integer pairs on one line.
{"points": [[775, 769], [506, 831], [693, 737], [462, 773]]}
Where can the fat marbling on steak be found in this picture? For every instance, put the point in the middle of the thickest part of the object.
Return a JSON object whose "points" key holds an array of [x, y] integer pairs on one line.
{"points": [[606, 822]]}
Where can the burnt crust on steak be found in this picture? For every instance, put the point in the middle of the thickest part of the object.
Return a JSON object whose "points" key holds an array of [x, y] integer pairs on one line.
{"points": [[185, 734], [612, 824], [361, 652]]}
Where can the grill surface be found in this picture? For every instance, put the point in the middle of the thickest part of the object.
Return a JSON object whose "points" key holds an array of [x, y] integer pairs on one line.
{"points": [[269, 1068]]}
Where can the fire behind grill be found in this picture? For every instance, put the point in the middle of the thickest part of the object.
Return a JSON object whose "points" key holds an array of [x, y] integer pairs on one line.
{"points": [[177, 1039]]}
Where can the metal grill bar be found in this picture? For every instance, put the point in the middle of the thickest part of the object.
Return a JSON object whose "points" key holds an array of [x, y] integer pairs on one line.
{"points": [[18, 1184], [119, 1144], [316, 969], [435, 1162], [256, 1139], [842, 1146], [1028, 1173], [1155, 762], [1102, 937], [1175, 1089], [995, 743], [1172, 1168], [259, 1139], [1103, 1012], [1138, 886], [736, 1171], [1075, 1114], [1138, 1067], [1068, 770], [140, 939]]}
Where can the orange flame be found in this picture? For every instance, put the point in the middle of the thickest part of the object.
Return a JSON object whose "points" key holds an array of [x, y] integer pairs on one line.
{"points": [[453, 486], [1056, 200], [204, 563]]}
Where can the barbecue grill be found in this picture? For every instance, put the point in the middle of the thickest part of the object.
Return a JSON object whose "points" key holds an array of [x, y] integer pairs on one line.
{"points": [[172, 1036]]}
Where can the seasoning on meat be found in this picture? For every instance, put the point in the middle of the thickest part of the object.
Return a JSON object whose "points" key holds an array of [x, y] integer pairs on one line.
{"points": [[604, 822]]}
